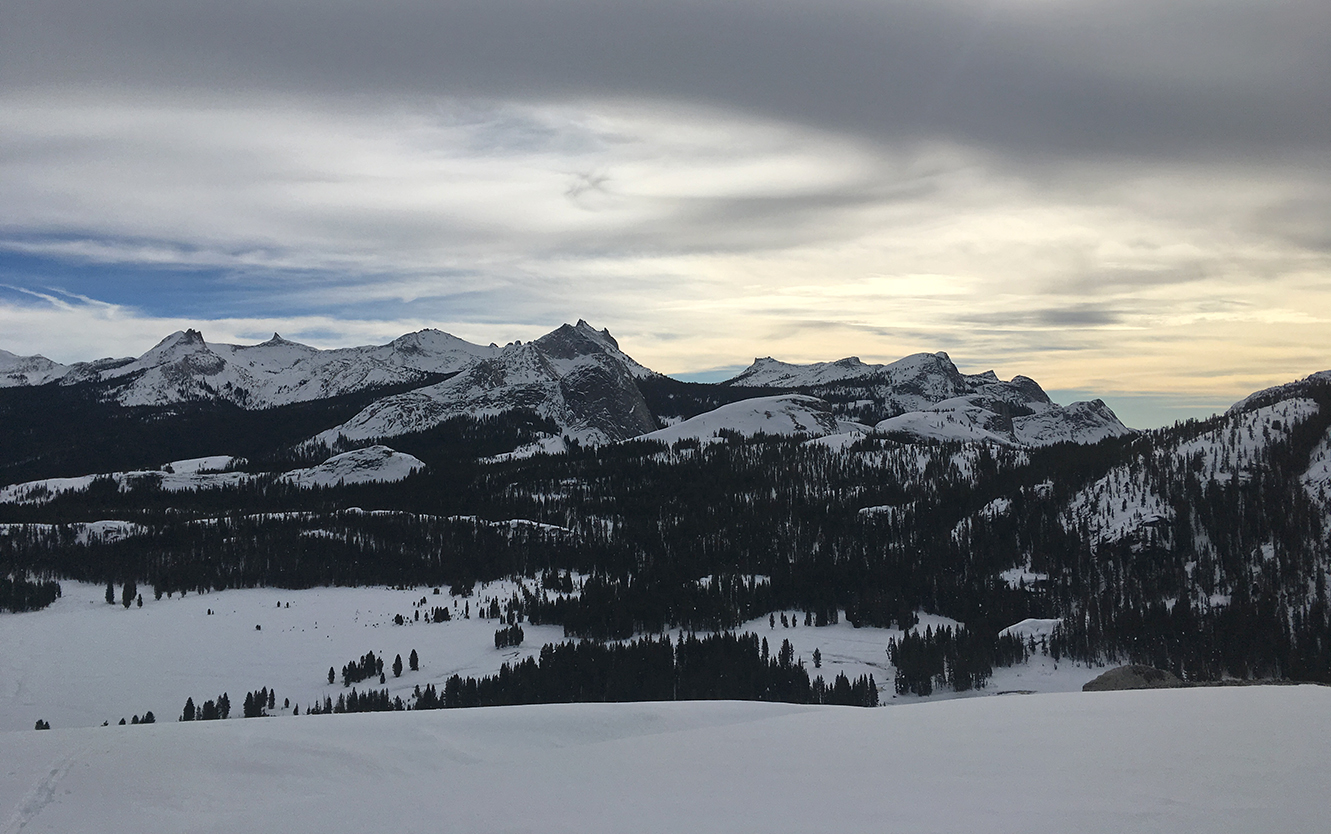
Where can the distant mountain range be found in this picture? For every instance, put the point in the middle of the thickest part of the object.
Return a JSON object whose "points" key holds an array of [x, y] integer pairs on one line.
{"points": [[578, 380], [840, 489]]}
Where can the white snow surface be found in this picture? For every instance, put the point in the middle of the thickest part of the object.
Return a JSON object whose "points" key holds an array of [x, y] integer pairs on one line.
{"points": [[1241, 759], [964, 419], [1032, 628], [373, 463], [360, 466], [788, 414], [198, 466], [1017, 577]]}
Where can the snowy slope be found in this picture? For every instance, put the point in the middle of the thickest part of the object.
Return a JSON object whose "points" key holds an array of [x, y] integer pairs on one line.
{"points": [[786, 414], [1288, 391], [575, 376], [1192, 760], [972, 423], [371, 464], [1079, 422], [1318, 477], [28, 370], [1125, 502], [375, 463], [970, 419]]}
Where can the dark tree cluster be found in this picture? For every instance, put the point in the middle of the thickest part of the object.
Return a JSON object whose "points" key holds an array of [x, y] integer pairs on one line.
{"points": [[214, 710], [19, 593], [369, 701], [715, 667], [258, 703], [508, 636], [368, 666], [958, 659]]}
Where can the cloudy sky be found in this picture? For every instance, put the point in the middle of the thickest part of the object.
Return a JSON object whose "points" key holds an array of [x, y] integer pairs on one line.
{"points": [[1128, 199]]}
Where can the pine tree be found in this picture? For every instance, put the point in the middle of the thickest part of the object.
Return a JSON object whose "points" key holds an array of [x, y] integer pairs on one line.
{"points": [[188, 714], [331, 675], [110, 594], [397, 666], [414, 661]]}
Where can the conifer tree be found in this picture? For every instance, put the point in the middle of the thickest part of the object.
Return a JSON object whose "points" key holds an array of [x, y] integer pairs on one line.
{"points": [[414, 661], [397, 666]]}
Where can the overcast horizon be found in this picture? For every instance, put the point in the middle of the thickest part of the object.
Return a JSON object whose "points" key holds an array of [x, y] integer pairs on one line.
{"points": [[1124, 200]]}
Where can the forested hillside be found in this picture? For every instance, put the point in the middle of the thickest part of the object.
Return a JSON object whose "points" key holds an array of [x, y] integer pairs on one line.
{"points": [[1201, 548]]}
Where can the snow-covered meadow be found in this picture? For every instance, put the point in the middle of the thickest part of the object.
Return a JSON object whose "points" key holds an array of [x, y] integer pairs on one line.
{"points": [[1243, 759], [83, 661]]}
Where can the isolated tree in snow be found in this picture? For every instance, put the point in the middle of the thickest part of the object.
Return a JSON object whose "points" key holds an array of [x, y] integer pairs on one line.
{"points": [[414, 661], [397, 666], [331, 675], [817, 659], [110, 593], [128, 593]]}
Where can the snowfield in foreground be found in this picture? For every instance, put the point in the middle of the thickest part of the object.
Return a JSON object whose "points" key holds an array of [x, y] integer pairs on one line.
{"points": [[1243, 759]]}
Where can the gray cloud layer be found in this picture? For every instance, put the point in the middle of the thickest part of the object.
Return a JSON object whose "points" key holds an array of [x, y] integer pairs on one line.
{"points": [[1135, 192], [1132, 77]]}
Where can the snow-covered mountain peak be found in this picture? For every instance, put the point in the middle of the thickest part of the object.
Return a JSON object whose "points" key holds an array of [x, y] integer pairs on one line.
{"points": [[175, 369], [576, 376], [28, 370], [766, 372]]}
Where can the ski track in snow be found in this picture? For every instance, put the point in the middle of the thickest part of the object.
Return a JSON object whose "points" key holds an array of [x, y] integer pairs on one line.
{"points": [[41, 795]]}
